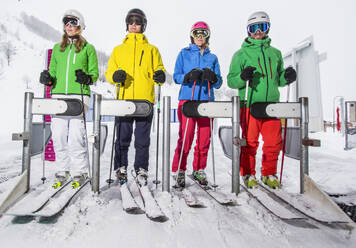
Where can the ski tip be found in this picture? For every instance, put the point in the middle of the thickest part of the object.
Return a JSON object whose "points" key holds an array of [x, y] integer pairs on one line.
{"points": [[159, 218], [196, 205], [134, 211], [230, 202]]}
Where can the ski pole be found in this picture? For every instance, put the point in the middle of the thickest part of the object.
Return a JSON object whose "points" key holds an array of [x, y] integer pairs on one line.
{"points": [[85, 127], [157, 147], [245, 116], [212, 141], [185, 133], [44, 142], [110, 181], [284, 140], [44, 127]]}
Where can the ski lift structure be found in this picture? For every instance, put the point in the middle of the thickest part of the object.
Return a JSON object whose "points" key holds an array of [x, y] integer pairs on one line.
{"points": [[350, 125], [305, 60]]}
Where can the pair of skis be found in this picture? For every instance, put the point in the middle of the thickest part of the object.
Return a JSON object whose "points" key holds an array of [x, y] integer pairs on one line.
{"points": [[193, 201], [151, 207], [45, 203], [289, 207]]}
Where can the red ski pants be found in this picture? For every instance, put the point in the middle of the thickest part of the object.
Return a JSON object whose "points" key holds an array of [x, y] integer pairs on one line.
{"points": [[272, 143], [202, 142]]}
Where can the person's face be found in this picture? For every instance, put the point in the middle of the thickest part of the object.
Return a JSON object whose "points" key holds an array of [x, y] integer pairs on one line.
{"points": [[71, 30], [134, 28], [258, 35], [135, 24], [200, 41]]}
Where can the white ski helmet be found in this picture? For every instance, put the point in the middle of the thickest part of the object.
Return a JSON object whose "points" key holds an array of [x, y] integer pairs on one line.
{"points": [[258, 17], [76, 14]]}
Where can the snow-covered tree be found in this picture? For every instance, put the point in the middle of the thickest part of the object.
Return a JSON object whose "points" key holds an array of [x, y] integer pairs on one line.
{"points": [[9, 51]]}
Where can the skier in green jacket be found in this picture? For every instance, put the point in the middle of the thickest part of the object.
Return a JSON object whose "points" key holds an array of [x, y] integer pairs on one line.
{"points": [[73, 68], [258, 68]]}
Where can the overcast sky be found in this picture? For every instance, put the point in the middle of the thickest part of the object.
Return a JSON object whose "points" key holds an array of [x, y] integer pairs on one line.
{"points": [[169, 22]]}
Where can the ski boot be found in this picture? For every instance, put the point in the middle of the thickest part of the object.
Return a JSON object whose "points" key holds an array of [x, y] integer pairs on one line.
{"points": [[250, 181], [61, 178], [271, 181], [141, 176], [179, 177], [121, 175], [79, 180], [200, 176]]}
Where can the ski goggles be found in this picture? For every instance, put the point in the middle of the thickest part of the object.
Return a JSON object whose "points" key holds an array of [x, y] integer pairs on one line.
{"points": [[135, 19], [263, 27], [196, 33], [72, 21]]}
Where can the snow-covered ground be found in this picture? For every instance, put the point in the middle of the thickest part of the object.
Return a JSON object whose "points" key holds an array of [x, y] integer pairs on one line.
{"points": [[98, 220]]}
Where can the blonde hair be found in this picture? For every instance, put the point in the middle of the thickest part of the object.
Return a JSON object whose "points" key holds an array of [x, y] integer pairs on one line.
{"points": [[79, 43]]}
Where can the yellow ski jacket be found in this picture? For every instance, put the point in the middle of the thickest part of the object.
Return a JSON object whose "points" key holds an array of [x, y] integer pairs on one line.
{"points": [[139, 60]]}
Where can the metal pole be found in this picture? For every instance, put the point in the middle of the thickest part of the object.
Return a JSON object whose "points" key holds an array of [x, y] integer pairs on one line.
{"points": [[346, 128], [26, 150], [96, 145], [342, 114], [156, 181], [304, 156], [333, 115], [235, 149], [166, 143]]}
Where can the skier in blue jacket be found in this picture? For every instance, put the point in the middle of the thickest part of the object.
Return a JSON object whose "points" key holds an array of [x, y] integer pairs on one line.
{"points": [[195, 66]]}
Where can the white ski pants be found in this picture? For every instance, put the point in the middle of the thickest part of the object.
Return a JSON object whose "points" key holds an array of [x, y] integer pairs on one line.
{"points": [[69, 140]]}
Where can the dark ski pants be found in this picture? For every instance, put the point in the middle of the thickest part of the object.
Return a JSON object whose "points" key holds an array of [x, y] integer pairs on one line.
{"points": [[124, 130], [271, 130]]}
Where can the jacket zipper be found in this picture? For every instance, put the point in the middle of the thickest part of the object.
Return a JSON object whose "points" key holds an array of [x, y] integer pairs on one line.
{"points": [[141, 57], [67, 71], [133, 82], [270, 65], [264, 60]]}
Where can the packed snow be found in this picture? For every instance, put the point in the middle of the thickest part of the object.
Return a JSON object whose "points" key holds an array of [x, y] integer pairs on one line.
{"points": [[92, 220], [98, 220]]}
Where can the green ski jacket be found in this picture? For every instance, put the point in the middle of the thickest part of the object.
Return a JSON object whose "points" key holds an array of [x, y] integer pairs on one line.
{"points": [[64, 64], [269, 73]]}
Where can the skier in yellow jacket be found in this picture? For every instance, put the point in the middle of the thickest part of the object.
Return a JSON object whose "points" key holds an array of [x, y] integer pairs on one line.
{"points": [[135, 66]]}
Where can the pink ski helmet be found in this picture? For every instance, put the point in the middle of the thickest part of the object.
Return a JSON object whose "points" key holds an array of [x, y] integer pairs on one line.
{"points": [[200, 25]]}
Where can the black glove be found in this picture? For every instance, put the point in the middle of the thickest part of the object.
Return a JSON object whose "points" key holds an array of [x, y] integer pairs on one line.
{"points": [[209, 75], [159, 77], [46, 79], [83, 78], [290, 75], [192, 76], [119, 76], [247, 73]]}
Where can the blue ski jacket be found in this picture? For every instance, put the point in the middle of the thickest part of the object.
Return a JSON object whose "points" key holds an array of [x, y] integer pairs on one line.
{"points": [[188, 59]]}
